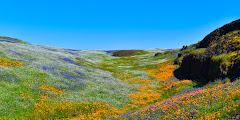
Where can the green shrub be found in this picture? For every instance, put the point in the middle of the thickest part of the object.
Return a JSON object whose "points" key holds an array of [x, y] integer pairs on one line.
{"points": [[181, 58], [232, 32], [188, 50], [197, 51], [225, 60], [213, 45], [224, 57]]}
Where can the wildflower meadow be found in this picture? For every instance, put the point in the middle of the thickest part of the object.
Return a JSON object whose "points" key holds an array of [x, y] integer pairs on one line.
{"points": [[42, 82]]}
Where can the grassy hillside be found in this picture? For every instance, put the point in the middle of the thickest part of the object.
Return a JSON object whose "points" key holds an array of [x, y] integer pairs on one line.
{"points": [[43, 82]]}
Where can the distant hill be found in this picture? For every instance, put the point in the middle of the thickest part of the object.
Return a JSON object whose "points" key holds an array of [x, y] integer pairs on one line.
{"points": [[216, 56], [11, 40]]}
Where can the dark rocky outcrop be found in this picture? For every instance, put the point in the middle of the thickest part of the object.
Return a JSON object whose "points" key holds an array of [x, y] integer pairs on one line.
{"points": [[216, 35], [158, 53], [201, 66], [183, 48], [216, 56], [127, 53], [183, 52]]}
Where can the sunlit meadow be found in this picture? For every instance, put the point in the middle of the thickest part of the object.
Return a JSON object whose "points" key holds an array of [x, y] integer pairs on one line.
{"points": [[43, 82]]}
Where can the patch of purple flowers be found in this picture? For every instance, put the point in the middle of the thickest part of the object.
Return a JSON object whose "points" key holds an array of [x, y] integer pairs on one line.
{"points": [[69, 75], [80, 58], [8, 41], [15, 53], [193, 90], [71, 61], [50, 68], [81, 74], [71, 85], [110, 51], [73, 82], [9, 78]]}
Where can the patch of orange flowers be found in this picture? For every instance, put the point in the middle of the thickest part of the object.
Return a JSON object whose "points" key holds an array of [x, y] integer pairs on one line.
{"points": [[162, 72], [46, 88], [79, 111], [9, 63]]}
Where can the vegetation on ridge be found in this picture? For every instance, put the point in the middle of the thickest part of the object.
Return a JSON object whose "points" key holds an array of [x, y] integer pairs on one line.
{"points": [[12, 40]]}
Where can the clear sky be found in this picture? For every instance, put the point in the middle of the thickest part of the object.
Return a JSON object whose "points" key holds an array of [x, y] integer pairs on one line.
{"points": [[114, 24]]}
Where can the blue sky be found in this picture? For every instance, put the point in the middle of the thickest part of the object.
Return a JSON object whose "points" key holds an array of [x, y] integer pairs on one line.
{"points": [[114, 24]]}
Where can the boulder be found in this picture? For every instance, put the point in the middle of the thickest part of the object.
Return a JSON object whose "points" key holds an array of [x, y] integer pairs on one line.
{"points": [[158, 53]]}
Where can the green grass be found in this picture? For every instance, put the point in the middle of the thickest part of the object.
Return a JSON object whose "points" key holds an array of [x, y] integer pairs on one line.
{"points": [[190, 49], [232, 32], [224, 59], [198, 51], [164, 56]]}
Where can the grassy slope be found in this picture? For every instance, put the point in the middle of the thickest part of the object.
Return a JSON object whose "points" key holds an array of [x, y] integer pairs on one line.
{"points": [[55, 68], [61, 83]]}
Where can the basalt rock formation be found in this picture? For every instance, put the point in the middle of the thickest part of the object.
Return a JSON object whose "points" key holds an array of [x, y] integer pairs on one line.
{"points": [[216, 56]]}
